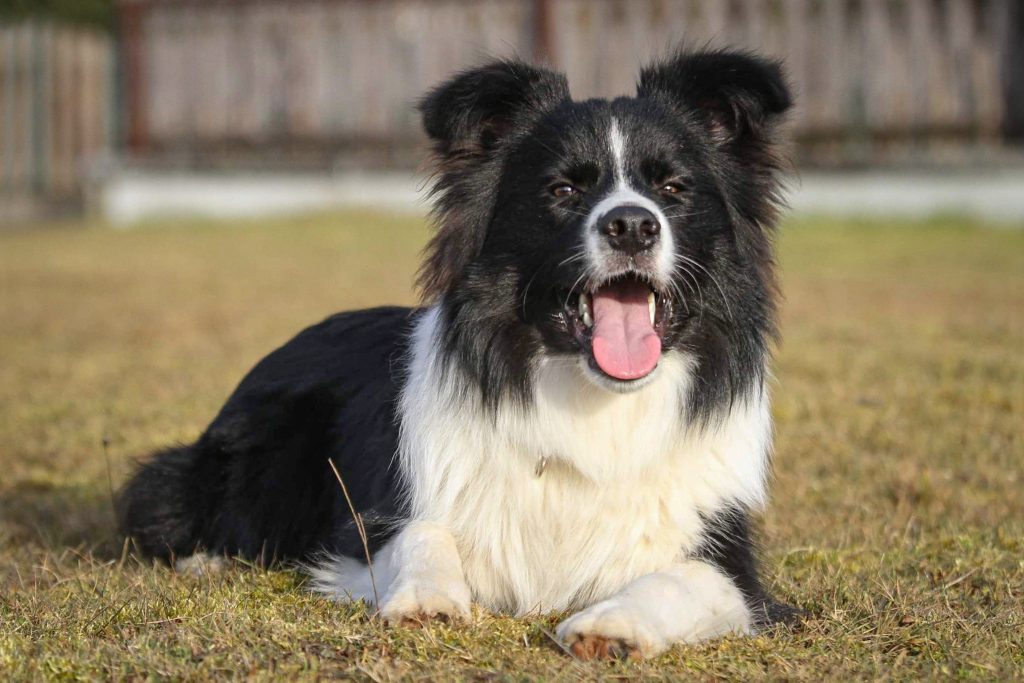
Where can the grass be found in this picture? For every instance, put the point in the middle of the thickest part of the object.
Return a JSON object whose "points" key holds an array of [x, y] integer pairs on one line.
{"points": [[898, 513]]}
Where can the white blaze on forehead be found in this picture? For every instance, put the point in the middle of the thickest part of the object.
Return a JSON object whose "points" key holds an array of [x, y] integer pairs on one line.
{"points": [[618, 144], [623, 194]]}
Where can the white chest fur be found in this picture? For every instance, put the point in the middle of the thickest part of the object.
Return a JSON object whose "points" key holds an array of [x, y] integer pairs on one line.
{"points": [[621, 494]]}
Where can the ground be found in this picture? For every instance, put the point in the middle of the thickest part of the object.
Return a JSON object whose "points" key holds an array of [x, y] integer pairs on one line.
{"points": [[896, 521]]}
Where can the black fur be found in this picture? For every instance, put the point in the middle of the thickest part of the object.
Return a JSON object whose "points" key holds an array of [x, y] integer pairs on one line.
{"points": [[470, 118], [257, 483], [729, 544]]}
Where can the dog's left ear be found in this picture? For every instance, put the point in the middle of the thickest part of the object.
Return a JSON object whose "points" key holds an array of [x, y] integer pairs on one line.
{"points": [[738, 96]]}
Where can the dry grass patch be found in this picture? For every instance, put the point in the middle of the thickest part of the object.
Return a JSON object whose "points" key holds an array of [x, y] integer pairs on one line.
{"points": [[897, 521]]}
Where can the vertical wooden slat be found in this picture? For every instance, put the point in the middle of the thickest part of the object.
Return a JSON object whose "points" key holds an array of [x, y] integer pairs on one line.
{"points": [[797, 31], [1011, 40], [26, 132], [8, 111], [874, 72], [243, 119], [108, 113], [40, 129], [919, 17], [51, 170], [716, 15], [756, 24], [23, 105], [93, 97], [854, 115], [961, 28], [986, 71], [23, 99], [80, 92], [833, 76], [136, 98], [62, 111], [543, 30]]}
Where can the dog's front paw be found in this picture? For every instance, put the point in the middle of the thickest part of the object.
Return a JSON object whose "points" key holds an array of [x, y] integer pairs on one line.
{"points": [[414, 602], [610, 629]]}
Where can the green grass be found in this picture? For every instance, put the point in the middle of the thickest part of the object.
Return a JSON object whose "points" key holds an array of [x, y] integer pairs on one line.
{"points": [[897, 518]]}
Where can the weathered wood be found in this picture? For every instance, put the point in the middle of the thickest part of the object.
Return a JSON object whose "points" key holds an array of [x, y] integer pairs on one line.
{"points": [[224, 72], [56, 108], [1012, 68]]}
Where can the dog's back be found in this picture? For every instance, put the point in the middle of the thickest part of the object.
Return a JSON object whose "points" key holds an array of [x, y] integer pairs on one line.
{"points": [[258, 483]]}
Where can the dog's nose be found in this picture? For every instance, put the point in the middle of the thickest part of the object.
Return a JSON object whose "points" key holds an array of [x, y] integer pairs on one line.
{"points": [[630, 229]]}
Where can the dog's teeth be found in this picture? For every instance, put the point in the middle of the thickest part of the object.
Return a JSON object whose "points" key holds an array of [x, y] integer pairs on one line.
{"points": [[584, 307], [651, 305]]}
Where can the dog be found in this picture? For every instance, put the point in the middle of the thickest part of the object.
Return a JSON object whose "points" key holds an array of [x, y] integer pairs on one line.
{"points": [[577, 418]]}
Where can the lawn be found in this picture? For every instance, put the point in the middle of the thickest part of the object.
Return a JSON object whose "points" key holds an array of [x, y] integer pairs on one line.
{"points": [[897, 519]]}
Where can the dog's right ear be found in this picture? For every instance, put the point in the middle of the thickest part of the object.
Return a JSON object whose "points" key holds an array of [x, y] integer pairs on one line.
{"points": [[472, 113], [469, 118]]}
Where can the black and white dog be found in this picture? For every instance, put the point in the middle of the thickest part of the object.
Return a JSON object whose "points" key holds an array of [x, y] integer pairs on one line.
{"points": [[577, 419]]}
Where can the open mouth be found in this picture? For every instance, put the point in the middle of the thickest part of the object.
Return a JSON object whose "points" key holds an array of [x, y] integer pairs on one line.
{"points": [[621, 324]]}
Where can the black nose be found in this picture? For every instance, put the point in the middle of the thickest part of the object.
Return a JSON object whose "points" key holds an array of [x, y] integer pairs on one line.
{"points": [[630, 229]]}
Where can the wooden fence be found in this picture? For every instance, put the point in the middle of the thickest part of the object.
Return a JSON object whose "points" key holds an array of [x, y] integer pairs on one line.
{"points": [[56, 109], [313, 81], [322, 76]]}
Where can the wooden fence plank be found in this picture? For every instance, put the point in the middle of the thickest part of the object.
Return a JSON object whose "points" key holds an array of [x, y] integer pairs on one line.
{"points": [[8, 112]]}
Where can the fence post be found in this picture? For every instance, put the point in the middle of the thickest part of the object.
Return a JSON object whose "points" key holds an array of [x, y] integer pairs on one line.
{"points": [[38, 107], [133, 70], [543, 34], [1013, 73], [8, 42]]}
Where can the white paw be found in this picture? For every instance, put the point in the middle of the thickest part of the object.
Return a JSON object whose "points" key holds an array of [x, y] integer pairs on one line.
{"points": [[611, 628], [200, 564], [415, 601]]}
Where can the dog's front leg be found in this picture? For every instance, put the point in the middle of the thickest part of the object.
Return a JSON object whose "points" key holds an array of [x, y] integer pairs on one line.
{"points": [[689, 602], [428, 581]]}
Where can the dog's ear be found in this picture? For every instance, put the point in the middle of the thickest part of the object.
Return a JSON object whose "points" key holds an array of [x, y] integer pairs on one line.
{"points": [[738, 96], [473, 112], [469, 118]]}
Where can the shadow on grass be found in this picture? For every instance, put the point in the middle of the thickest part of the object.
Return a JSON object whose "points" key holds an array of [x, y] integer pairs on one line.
{"points": [[54, 517]]}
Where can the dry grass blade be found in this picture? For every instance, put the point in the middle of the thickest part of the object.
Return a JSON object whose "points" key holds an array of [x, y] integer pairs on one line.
{"points": [[360, 529], [960, 579]]}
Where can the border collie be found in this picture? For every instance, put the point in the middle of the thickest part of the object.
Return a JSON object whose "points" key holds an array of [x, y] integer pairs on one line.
{"points": [[576, 419]]}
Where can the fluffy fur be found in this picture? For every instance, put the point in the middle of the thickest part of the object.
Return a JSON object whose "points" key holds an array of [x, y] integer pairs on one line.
{"points": [[494, 453]]}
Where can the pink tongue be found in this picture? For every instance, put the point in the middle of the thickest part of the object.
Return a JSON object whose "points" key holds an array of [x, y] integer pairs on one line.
{"points": [[625, 343]]}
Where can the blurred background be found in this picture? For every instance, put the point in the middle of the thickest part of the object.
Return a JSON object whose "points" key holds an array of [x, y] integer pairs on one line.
{"points": [[133, 109]]}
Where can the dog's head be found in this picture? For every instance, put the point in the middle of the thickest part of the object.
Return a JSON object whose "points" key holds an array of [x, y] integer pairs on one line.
{"points": [[614, 231]]}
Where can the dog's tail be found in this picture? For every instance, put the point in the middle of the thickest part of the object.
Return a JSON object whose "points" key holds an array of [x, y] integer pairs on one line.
{"points": [[157, 509]]}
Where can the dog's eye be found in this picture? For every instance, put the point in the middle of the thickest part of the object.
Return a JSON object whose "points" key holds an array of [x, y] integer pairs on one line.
{"points": [[673, 188], [564, 190]]}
